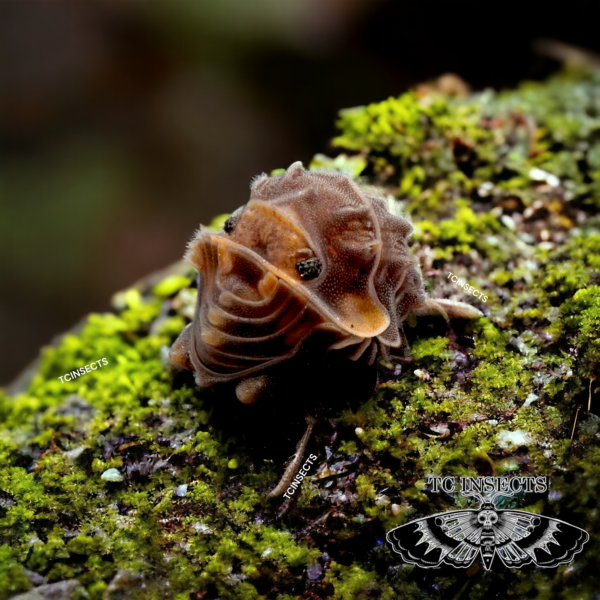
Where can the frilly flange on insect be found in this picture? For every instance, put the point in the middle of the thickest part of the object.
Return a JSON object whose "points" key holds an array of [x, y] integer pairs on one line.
{"points": [[308, 258]]}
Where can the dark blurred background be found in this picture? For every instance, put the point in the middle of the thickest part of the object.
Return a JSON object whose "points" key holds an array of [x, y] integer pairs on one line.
{"points": [[124, 124]]}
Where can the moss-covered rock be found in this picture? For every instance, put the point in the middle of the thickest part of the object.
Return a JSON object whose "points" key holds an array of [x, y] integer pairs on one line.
{"points": [[126, 479]]}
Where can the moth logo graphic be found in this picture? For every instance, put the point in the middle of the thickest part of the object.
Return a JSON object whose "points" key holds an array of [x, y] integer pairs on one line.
{"points": [[516, 537]]}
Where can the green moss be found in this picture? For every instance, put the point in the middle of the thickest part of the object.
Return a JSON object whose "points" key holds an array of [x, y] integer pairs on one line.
{"points": [[350, 165], [432, 348], [580, 325], [504, 394], [171, 285], [355, 583], [13, 577]]}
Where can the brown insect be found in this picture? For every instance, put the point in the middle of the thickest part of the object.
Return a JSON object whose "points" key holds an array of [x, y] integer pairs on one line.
{"points": [[309, 269]]}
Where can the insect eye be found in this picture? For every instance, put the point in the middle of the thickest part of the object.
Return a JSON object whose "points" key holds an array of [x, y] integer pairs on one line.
{"points": [[309, 268], [229, 225]]}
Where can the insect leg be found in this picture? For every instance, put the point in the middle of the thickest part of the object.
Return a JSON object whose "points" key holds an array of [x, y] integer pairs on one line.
{"points": [[448, 309]]}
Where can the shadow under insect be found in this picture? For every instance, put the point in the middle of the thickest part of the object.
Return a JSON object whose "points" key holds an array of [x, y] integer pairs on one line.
{"points": [[311, 385]]}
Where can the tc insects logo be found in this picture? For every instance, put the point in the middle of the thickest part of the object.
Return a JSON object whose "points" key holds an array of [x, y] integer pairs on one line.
{"points": [[516, 537]]}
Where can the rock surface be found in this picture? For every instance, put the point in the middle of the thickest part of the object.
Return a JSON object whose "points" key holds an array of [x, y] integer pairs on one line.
{"points": [[504, 192]]}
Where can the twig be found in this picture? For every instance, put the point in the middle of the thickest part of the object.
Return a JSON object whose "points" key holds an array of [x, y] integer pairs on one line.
{"points": [[575, 422], [292, 468]]}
